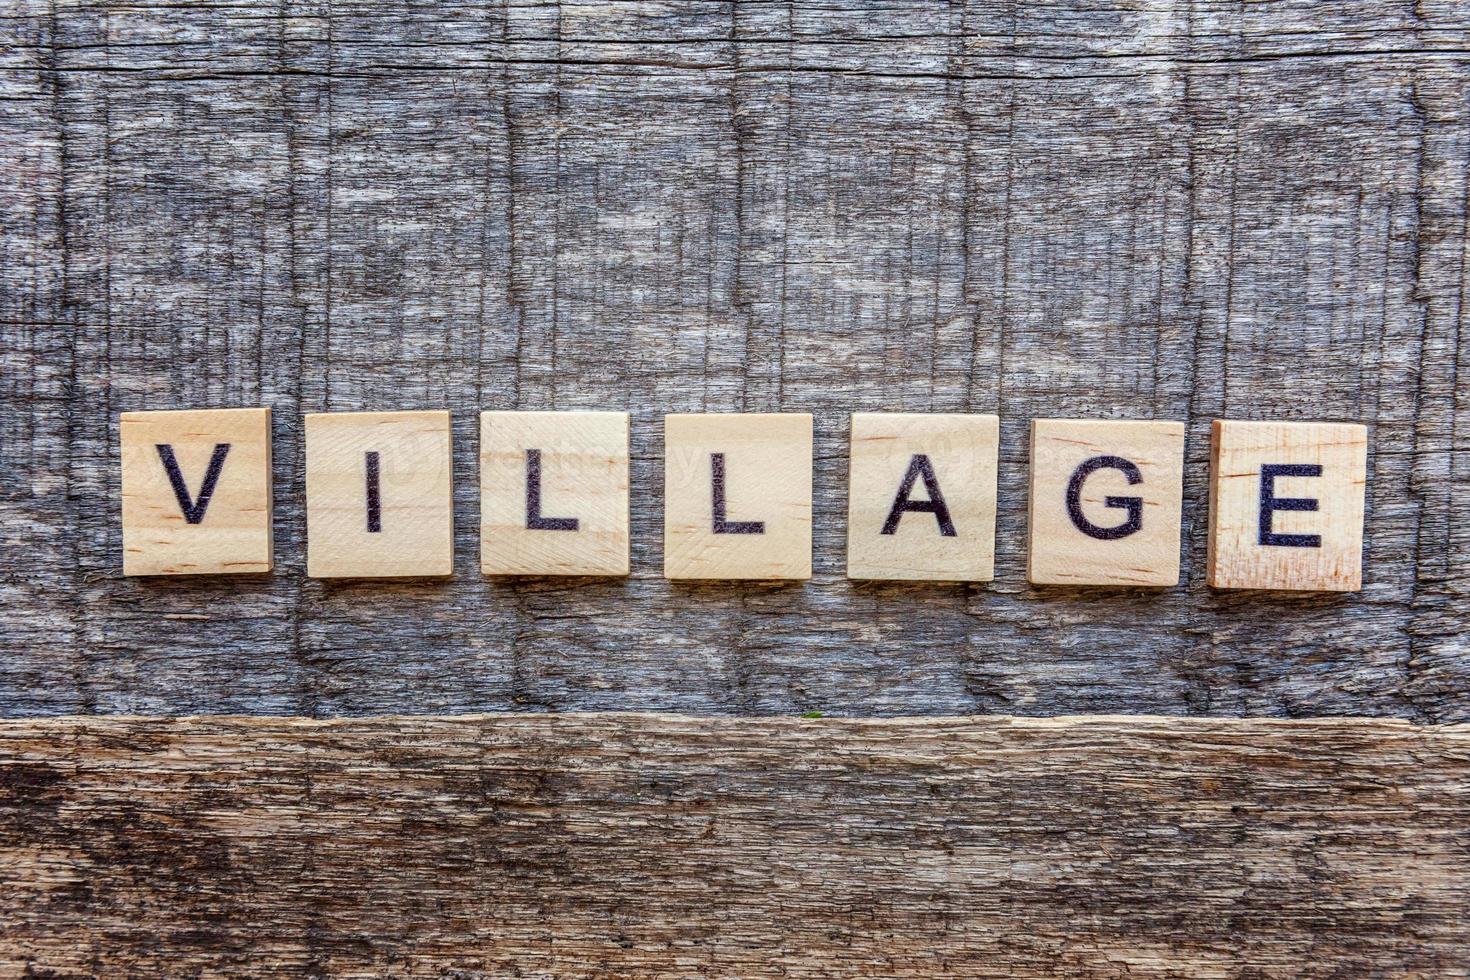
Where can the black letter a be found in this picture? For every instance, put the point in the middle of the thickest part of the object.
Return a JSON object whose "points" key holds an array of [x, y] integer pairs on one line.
{"points": [[920, 466], [193, 509]]}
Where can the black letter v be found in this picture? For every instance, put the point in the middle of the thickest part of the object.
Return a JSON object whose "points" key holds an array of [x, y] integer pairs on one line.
{"points": [[193, 509]]}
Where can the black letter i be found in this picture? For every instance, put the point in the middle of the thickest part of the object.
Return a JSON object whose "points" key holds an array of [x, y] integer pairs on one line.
{"points": [[374, 494]]}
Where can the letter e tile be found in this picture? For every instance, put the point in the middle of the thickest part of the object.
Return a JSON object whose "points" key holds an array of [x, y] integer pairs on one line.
{"points": [[1286, 505]]}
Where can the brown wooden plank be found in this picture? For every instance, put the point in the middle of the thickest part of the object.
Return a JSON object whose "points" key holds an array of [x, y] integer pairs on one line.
{"points": [[1104, 209], [639, 844]]}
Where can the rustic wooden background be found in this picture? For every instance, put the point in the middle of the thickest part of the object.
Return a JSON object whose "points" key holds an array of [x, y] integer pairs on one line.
{"points": [[1114, 208], [1118, 209]]}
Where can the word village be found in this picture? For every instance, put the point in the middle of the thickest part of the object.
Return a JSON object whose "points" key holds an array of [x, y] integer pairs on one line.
{"points": [[1285, 507]]}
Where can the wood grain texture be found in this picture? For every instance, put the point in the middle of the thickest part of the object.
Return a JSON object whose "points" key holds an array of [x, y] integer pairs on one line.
{"points": [[635, 845], [1157, 209]]}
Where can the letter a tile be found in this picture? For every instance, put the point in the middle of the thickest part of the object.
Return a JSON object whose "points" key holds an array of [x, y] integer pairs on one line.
{"points": [[921, 497], [738, 496], [1286, 505], [196, 492], [1105, 502], [379, 495], [554, 493]]}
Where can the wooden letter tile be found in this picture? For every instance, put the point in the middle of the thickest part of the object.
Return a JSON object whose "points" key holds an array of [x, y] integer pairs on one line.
{"points": [[1286, 505], [379, 495], [1105, 502], [554, 493], [738, 496], [196, 492], [921, 497]]}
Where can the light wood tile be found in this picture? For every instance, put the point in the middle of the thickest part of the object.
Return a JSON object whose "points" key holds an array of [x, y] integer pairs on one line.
{"points": [[196, 491], [738, 496], [897, 528], [1105, 502], [379, 495], [1286, 505], [554, 493]]}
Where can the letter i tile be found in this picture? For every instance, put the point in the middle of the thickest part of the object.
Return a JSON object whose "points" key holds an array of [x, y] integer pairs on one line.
{"points": [[379, 495]]}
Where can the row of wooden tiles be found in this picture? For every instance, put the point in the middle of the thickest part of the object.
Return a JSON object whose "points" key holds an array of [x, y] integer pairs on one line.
{"points": [[1286, 498]]}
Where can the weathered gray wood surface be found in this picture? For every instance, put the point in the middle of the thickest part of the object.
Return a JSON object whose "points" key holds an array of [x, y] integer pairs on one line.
{"points": [[628, 845], [1160, 208]]}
